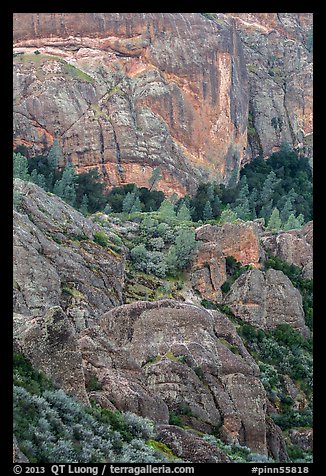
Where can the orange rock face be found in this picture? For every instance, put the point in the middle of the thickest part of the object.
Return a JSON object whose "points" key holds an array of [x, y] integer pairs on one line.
{"points": [[131, 92], [240, 240]]}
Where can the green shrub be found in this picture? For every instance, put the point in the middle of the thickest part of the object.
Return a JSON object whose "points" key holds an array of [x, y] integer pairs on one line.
{"points": [[93, 385], [100, 238], [175, 419]]}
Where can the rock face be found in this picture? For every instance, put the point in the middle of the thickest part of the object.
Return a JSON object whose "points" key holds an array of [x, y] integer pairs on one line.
{"points": [[294, 247], [208, 271], [276, 444], [190, 447], [128, 92], [240, 240], [50, 344], [267, 299], [278, 54], [57, 263], [191, 359], [302, 437]]}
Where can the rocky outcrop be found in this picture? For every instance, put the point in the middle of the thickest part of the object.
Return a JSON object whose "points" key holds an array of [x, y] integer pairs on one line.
{"points": [[208, 271], [278, 54], [187, 357], [240, 240], [302, 437], [50, 344], [129, 92], [275, 441], [56, 261], [294, 247], [190, 447], [267, 299]]}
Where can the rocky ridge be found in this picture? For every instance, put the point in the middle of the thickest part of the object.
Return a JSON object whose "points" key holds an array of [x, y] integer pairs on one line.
{"points": [[58, 263]]}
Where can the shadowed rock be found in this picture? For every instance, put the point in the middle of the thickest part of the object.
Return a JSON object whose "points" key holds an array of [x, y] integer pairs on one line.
{"points": [[267, 299], [56, 262]]}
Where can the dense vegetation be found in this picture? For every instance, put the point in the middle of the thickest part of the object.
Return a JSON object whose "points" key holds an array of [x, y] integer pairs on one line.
{"points": [[278, 190], [283, 183], [52, 427], [84, 191], [234, 269]]}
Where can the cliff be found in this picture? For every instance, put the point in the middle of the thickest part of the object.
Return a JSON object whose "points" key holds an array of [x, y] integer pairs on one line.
{"points": [[278, 54], [131, 92]]}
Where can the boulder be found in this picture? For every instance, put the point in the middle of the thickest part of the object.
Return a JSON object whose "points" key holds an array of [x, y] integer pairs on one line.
{"points": [[208, 271], [193, 360], [51, 345], [189, 447], [266, 299]]}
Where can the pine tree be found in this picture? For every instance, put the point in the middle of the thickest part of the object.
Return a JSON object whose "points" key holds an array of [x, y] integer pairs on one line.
{"points": [[274, 223], [136, 207], [155, 178], [267, 193], [300, 219], [207, 212], [253, 202], [183, 213], [243, 210], [128, 202], [242, 204], [166, 210], [228, 216], [288, 207], [244, 188], [55, 155], [180, 254], [107, 209], [292, 223], [20, 167], [66, 186], [216, 206], [211, 191], [38, 179], [84, 205]]}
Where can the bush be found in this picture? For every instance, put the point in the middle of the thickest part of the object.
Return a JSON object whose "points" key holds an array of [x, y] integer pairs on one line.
{"points": [[100, 238], [93, 384], [52, 427], [175, 419]]}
